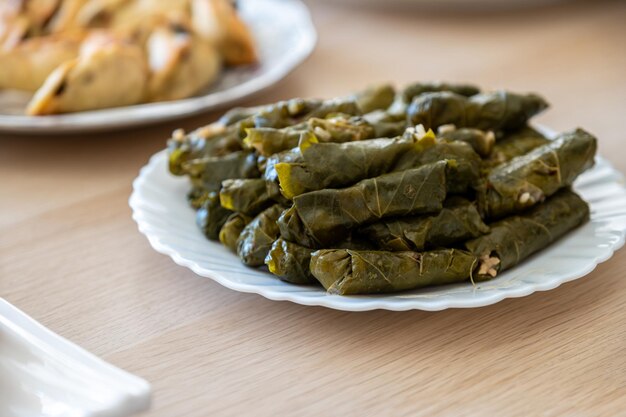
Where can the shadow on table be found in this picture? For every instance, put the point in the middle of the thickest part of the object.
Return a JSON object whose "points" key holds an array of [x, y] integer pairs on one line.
{"points": [[506, 322]]}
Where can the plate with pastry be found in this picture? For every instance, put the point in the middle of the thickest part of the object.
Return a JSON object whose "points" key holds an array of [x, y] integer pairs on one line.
{"points": [[96, 65]]}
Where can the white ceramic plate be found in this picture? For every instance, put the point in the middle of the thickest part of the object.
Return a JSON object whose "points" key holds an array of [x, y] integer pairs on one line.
{"points": [[42, 374], [284, 35], [162, 214]]}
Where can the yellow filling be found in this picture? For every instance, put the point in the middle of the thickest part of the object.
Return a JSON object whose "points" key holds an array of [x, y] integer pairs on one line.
{"points": [[429, 139], [271, 264], [226, 201], [306, 140], [288, 188], [251, 141]]}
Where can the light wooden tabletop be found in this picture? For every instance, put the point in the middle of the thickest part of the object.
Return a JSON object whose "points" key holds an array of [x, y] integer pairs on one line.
{"points": [[71, 256]]}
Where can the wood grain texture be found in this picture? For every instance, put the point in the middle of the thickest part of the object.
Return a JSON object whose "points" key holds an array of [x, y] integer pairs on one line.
{"points": [[71, 256]]}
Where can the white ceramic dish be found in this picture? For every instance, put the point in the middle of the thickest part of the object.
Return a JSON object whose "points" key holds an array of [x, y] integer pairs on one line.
{"points": [[45, 375], [284, 35], [162, 214]]}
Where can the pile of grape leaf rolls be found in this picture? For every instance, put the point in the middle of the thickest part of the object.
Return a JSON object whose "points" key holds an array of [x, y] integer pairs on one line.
{"points": [[385, 190]]}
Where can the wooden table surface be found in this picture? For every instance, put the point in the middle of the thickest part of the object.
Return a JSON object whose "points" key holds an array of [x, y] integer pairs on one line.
{"points": [[71, 256]]}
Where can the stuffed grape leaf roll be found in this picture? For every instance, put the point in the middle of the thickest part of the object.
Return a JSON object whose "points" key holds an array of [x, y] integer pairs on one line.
{"points": [[268, 141], [339, 129], [404, 98], [211, 140], [211, 216], [257, 237], [377, 97], [515, 238], [499, 110], [344, 271], [416, 89], [290, 261], [385, 125], [285, 113], [295, 111], [247, 196], [529, 179], [197, 195], [209, 172], [280, 113], [288, 156], [482, 142], [271, 176], [456, 222], [334, 106], [514, 144], [237, 114], [319, 218], [332, 165], [232, 228]]}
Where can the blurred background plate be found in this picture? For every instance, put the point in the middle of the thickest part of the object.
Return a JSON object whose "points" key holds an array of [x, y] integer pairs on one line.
{"points": [[284, 35]]}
